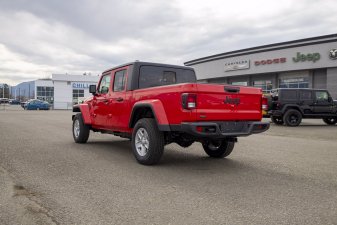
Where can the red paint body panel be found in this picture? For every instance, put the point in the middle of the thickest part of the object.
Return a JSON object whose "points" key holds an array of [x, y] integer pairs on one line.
{"points": [[85, 113], [158, 108], [169, 97], [211, 104]]}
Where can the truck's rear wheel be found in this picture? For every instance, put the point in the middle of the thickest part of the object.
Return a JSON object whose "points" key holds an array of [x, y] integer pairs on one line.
{"points": [[147, 142], [330, 121], [218, 148], [80, 130], [292, 118]]}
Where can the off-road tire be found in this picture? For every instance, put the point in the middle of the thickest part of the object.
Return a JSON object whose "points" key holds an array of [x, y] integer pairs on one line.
{"points": [[153, 139], [292, 118], [330, 121], [83, 129], [218, 149], [277, 120]]}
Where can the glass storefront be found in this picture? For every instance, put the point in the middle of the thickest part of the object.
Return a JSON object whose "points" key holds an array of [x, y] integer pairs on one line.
{"points": [[45, 94], [299, 82], [265, 85], [240, 83]]}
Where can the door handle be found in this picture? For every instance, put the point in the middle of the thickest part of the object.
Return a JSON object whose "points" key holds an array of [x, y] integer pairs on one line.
{"points": [[119, 99]]}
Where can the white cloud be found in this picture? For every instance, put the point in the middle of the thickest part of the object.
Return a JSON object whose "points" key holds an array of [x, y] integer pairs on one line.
{"points": [[40, 37]]}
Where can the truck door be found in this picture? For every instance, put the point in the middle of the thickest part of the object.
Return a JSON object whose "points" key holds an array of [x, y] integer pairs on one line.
{"points": [[306, 101], [118, 112], [322, 105], [100, 102]]}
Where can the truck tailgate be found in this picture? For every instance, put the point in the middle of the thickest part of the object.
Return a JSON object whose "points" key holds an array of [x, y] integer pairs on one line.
{"points": [[217, 102]]}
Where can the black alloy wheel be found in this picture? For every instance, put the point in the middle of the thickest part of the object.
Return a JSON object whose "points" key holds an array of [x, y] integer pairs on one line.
{"points": [[292, 118]]}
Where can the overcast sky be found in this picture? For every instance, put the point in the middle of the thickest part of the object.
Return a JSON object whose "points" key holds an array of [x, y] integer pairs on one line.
{"points": [[42, 37]]}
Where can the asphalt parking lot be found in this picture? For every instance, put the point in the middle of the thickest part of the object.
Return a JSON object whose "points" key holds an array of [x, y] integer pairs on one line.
{"points": [[283, 176]]}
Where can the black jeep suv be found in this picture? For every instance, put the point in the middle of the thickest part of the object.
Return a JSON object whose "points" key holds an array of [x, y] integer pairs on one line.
{"points": [[289, 106]]}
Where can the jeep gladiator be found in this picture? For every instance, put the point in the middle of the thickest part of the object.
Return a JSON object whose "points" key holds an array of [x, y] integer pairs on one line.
{"points": [[157, 104]]}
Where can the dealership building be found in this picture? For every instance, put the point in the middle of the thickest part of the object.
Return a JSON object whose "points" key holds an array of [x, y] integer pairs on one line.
{"points": [[305, 63], [62, 90]]}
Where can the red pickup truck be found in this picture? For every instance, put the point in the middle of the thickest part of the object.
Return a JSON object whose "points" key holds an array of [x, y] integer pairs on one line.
{"points": [[157, 104]]}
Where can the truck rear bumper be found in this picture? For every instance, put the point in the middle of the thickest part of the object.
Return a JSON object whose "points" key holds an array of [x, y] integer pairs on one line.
{"points": [[222, 129]]}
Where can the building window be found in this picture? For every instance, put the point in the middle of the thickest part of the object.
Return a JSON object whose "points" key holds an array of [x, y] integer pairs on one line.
{"points": [[240, 83], [300, 82], [265, 85], [45, 94], [77, 94]]}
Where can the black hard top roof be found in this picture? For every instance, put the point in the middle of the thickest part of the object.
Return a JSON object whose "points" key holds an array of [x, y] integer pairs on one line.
{"points": [[309, 89], [139, 63]]}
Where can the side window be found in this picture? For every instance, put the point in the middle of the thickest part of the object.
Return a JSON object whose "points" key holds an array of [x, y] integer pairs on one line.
{"points": [[305, 95], [321, 96], [119, 81], [104, 85], [289, 94], [154, 76]]}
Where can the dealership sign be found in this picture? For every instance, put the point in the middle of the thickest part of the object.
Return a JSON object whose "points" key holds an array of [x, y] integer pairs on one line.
{"points": [[81, 85], [270, 61], [313, 57], [237, 65]]}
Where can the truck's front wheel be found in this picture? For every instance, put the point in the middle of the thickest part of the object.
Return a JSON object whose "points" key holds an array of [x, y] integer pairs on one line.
{"points": [[147, 142], [218, 148], [80, 130]]}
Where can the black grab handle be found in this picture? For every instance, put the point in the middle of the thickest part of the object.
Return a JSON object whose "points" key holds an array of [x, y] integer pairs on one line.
{"points": [[232, 89]]}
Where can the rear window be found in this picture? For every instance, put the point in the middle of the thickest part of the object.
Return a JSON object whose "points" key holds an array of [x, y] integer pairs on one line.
{"points": [[289, 94], [152, 76]]}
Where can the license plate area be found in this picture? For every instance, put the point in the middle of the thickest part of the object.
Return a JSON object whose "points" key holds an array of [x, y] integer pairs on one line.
{"points": [[232, 126]]}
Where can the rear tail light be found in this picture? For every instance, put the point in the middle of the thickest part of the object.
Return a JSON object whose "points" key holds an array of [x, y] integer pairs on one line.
{"points": [[206, 129], [264, 103], [189, 101]]}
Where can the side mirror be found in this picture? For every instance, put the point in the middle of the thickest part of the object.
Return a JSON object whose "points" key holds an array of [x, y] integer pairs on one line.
{"points": [[92, 89]]}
